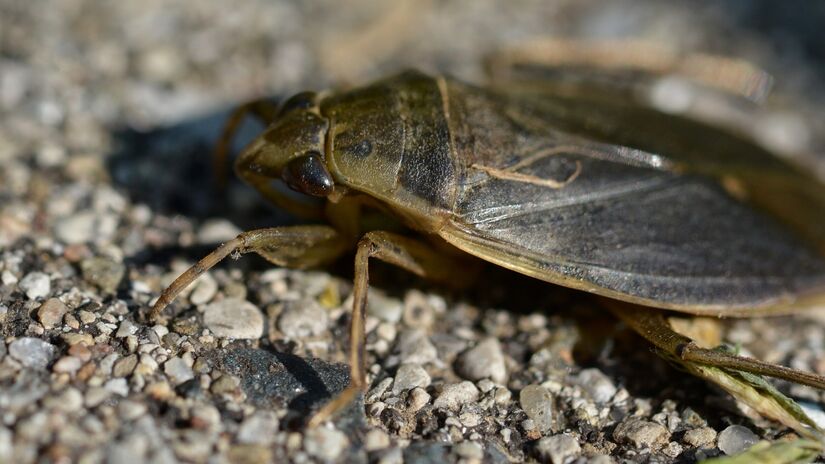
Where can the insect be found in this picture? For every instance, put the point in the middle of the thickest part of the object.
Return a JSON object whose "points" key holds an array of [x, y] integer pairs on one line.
{"points": [[571, 180]]}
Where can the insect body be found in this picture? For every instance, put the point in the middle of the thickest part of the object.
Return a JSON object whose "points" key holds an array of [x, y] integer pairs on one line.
{"points": [[544, 183]]}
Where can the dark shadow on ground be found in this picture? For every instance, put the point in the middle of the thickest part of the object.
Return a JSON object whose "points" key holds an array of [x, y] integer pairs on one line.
{"points": [[170, 169], [277, 380]]}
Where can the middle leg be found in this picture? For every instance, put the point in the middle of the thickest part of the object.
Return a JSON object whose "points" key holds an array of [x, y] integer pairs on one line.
{"points": [[410, 254]]}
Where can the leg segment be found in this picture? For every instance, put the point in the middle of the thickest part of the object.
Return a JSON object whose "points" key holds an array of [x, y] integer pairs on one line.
{"points": [[264, 110], [652, 325], [409, 254], [297, 247]]}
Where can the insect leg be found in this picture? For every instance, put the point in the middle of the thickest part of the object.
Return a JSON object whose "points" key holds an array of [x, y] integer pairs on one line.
{"points": [[651, 324], [296, 247], [407, 253], [264, 110]]}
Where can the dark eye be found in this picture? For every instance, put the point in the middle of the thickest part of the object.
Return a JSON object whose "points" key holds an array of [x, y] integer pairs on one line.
{"points": [[299, 101], [307, 174]]}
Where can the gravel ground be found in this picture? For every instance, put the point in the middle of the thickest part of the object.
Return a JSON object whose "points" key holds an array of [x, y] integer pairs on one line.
{"points": [[109, 112]]}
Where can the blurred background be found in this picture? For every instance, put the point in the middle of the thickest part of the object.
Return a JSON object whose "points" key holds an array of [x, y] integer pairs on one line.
{"points": [[109, 110], [152, 79]]}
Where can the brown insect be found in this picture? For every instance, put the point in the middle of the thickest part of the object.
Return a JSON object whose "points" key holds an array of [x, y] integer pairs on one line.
{"points": [[566, 177]]}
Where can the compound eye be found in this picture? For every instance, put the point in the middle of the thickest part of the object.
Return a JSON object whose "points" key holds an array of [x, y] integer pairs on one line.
{"points": [[299, 101], [308, 174]]}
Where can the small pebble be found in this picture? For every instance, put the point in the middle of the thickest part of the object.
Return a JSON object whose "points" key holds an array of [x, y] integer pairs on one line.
{"points": [[469, 450], [408, 377], [215, 231], [558, 449], [234, 318], [69, 400], [81, 352], [596, 384], [131, 410], [260, 428], [418, 312], [305, 318], [72, 339], [640, 433], [224, 384], [178, 370], [35, 285], [95, 396], [484, 360], [537, 403], [376, 439], [326, 444], [67, 365], [32, 352], [252, 454], [383, 307], [124, 366], [126, 328], [417, 399], [701, 437], [117, 386], [77, 228], [735, 439], [205, 289], [51, 312], [415, 347], [456, 394], [103, 273], [86, 317]]}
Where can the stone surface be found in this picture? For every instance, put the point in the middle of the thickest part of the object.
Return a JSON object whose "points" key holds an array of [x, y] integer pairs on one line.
{"points": [[326, 444], [104, 273], [454, 395], [107, 192], [701, 437], [485, 360], [415, 347], [36, 285], [537, 403], [51, 312], [558, 449], [234, 318], [597, 385], [735, 439], [260, 428], [302, 319], [641, 433], [410, 376], [32, 352], [178, 370]]}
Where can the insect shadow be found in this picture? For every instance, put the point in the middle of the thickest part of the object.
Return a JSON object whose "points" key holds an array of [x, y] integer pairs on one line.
{"points": [[170, 169]]}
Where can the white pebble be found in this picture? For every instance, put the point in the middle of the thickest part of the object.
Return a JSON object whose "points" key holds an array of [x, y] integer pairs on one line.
{"points": [[32, 352], [234, 318], [410, 376], [454, 395], [35, 285]]}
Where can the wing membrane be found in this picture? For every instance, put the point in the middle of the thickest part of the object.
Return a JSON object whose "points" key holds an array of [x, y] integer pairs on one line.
{"points": [[718, 144], [634, 231]]}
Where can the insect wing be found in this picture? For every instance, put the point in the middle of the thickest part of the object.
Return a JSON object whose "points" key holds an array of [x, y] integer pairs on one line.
{"points": [[544, 194], [715, 138]]}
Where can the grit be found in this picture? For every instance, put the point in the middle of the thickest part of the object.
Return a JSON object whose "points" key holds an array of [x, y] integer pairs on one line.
{"points": [[109, 113]]}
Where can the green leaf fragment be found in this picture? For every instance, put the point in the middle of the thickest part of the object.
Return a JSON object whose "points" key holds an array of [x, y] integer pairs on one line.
{"points": [[782, 452]]}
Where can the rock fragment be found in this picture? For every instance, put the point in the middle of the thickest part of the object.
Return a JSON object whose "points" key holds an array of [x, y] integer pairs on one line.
{"points": [[234, 318], [32, 352], [485, 360]]}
